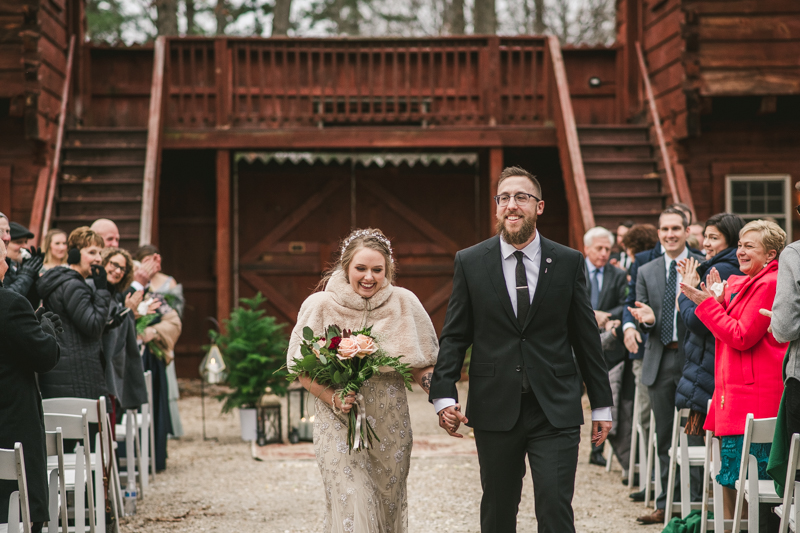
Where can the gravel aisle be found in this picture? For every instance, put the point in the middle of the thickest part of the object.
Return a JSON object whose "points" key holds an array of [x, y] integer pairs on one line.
{"points": [[217, 486]]}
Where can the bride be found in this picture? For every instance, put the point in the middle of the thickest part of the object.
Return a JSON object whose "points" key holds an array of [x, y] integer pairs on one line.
{"points": [[366, 491]]}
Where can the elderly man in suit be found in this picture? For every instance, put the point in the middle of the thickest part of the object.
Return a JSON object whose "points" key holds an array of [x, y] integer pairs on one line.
{"points": [[521, 302], [657, 289], [27, 346], [607, 286]]}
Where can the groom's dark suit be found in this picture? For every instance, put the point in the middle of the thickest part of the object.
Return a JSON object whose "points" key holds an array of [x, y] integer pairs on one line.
{"points": [[558, 345]]}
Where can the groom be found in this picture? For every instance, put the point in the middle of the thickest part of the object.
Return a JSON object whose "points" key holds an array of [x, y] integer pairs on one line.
{"points": [[521, 302]]}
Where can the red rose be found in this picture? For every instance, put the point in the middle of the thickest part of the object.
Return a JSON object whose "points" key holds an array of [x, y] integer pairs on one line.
{"points": [[335, 343]]}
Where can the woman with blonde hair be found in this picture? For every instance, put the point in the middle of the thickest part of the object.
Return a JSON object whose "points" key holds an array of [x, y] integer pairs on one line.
{"points": [[55, 249], [365, 491], [748, 360]]}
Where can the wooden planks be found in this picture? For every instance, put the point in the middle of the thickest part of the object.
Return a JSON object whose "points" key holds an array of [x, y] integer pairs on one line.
{"points": [[153, 150]]}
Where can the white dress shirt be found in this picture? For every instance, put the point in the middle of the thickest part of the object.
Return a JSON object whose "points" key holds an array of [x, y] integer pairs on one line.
{"points": [[532, 263]]}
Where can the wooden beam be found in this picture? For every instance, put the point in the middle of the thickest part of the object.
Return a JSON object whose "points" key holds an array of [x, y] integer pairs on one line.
{"points": [[569, 150], [153, 152], [278, 300], [438, 298], [748, 82], [44, 218], [495, 169], [224, 258], [39, 200], [5, 188]]}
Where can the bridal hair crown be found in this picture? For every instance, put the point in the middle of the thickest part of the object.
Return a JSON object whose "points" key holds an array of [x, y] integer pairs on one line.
{"points": [[368, 233]]}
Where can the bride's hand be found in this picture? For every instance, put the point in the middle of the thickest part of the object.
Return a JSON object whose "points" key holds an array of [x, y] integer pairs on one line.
{"points": [[345, 406]]}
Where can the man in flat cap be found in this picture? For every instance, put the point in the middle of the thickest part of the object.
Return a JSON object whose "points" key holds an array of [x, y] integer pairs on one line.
{"points": [[23, 265]]}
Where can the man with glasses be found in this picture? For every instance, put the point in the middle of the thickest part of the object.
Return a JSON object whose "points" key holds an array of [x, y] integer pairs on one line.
{"points": [[521, 301]]}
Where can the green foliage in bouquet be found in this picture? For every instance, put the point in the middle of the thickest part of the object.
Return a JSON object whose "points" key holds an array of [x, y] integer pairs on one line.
{"points": [[142, 323], [254, 350]]}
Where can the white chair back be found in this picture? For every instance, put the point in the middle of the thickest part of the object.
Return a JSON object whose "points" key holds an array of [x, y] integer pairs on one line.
{"points": [[756, 431], [791, 488], [12, 468], [54, 443]]}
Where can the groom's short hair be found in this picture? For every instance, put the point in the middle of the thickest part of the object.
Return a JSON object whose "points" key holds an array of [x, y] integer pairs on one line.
{"points": [[519, 172]]}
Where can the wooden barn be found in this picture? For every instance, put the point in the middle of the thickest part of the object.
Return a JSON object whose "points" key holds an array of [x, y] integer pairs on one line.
{"points": [[246, 159]]}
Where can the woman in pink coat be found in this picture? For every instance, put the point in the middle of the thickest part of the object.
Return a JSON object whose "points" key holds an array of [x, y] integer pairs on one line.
{"points": [[748, 359]]}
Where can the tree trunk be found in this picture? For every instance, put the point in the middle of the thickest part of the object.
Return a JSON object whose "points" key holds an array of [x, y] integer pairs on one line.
{"points": [[221, 11], [190, 12], [280, 17], [454, 18], [166, 17], [538, 23], [485, 17]]}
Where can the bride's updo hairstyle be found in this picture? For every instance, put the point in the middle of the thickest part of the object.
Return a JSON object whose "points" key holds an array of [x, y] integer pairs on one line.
{"points": [[373, 239]]}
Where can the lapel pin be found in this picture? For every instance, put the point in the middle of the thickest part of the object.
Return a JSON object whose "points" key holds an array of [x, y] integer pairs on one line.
{"points": [[549, 260]]}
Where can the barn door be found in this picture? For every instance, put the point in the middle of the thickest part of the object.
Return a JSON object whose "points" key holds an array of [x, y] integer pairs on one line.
{"points": [[292, 216]]}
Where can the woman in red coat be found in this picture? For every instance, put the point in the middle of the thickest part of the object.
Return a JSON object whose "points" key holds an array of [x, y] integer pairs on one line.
{"points": [[748, 359]]}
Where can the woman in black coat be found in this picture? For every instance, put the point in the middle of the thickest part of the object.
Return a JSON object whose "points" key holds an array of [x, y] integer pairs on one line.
{"points": [[84, 312], [26, 347], [696, 385]]}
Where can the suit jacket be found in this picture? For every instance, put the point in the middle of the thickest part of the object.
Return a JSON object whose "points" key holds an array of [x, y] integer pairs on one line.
{"points": [[650, 286], [612, 300], [25, 349], [560, 322]]}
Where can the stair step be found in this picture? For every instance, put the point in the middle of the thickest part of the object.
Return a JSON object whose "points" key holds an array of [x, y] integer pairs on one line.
{"points": [[104, 155], [89, 181], [104, 199], [106, 137], [81, 218], [76, 144], [627, 194], [617, 133], [91, 163], [618, 152], [626, 210]]}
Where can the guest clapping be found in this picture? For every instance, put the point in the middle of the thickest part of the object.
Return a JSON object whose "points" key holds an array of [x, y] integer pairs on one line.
{"points": [[721, 233], [55, 249], [84, 312], [24, 265], [748, 372]]}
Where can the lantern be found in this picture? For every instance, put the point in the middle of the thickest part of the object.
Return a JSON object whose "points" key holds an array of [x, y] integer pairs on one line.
{"points": [[269, 420], [212, 370], [300, 424]]}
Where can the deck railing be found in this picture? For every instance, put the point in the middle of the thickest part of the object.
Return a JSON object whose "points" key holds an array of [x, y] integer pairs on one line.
{"points": [[290, 83]]}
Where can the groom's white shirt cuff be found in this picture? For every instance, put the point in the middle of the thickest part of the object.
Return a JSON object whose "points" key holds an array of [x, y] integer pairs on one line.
{"points": [[602, 414]]}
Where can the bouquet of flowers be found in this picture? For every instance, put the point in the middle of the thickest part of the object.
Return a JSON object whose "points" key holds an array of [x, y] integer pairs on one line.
{"points": [[345, 359]]}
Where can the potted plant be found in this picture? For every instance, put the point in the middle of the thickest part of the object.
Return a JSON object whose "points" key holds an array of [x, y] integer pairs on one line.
{"points": [[253, 347]]}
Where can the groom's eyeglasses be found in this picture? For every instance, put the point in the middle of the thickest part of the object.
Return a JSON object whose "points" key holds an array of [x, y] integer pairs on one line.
{"points": [[521, 198]]}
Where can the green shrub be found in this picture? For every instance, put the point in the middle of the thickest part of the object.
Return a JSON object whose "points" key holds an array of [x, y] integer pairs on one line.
{"points": [[254, 349]]}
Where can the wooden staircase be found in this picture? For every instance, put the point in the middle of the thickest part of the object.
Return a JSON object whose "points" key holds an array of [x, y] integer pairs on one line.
{"points": [[102, 177], [621, 174]]}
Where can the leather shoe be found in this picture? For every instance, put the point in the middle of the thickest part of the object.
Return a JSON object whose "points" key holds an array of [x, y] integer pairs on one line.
{"points": [[596, 458], [637, 496], [656, 517], [635, 480]]}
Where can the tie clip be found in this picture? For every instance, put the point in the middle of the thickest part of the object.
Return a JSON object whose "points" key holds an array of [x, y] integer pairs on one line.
{"points": [[523, 287]]}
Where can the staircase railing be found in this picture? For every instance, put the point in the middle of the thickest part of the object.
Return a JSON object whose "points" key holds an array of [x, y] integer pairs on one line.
{"points": [[580, 207], [44, 196], [678, 187], [153, 151]]}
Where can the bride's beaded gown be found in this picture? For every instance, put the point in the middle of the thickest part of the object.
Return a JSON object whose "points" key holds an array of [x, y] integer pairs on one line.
{"points": [[366, 491]]}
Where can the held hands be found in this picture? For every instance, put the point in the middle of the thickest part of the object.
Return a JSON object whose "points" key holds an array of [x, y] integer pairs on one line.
{"points": [[600, 429], [345, 406], [132, 301], [450, 418]]}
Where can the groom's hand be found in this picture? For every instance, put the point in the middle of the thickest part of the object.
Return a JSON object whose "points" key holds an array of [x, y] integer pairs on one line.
{"points": [[450, 418], [600, 431]]}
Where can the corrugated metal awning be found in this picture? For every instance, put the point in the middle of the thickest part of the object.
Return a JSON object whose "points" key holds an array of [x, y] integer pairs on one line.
{"points": [[380, 159]]}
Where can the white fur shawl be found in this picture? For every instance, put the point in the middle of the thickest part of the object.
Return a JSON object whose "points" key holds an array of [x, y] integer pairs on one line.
{"points": [[401, 325]]}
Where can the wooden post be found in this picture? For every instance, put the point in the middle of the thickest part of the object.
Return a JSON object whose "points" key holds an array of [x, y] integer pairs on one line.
{"points": [[495, 168], [222, 62], [223, 234], [153, 151]]}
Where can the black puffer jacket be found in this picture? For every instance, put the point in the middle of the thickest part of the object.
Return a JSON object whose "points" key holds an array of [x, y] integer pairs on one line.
{"points": [[83, 311], [697, 381]]}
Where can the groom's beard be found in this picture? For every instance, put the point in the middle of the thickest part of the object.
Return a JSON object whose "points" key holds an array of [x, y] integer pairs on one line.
{"points": [[520, 236]]}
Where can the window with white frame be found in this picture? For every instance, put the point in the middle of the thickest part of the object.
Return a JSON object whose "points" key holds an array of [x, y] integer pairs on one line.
{"points": [[761, 196]]}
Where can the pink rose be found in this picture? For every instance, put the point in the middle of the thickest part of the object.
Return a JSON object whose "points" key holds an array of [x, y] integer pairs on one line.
{"points": [[348, 348], [366, 345]]}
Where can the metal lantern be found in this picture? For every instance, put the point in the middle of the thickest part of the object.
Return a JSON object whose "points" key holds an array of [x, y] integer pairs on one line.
{"points": [[269, 420], [212, 371], [301, 425]]}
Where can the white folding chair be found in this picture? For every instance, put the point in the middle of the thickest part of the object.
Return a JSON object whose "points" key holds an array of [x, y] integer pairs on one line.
{"points": [[12, 468], [749, 487], [77, 475], [653, 465], [103, 462], [57, 490], [638, 441], [788, 511], [682, 456], [141, 443]]}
